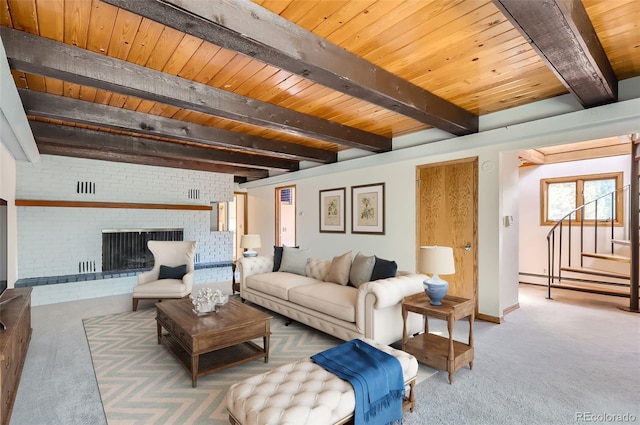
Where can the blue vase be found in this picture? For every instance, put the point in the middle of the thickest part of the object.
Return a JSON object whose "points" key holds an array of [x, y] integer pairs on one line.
{"points": [[436, 289]]}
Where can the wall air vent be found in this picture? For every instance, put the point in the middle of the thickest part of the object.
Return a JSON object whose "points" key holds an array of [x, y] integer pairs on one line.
{"points": [[88, 266], [85, 187], [194, 194]]}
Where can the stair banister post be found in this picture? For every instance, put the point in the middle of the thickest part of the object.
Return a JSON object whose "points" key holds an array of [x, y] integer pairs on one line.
{"points": [[634, 223], [560, 251], [613, 204], [582, 240], [550, 254], [595, 228], [570, 241]]}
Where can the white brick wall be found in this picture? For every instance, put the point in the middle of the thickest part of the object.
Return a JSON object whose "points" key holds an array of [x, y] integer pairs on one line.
{"points": [[51, 241], [56, 178]]}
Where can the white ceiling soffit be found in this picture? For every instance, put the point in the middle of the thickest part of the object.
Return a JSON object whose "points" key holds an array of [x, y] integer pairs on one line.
{"points": [[15, 131]]}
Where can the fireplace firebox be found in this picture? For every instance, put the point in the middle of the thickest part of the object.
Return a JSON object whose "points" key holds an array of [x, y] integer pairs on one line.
{"points": [[126, 249]]}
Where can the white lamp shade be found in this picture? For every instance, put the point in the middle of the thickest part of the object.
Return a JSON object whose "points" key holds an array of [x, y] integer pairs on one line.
{"points": [[250, 241], [436, 260]]}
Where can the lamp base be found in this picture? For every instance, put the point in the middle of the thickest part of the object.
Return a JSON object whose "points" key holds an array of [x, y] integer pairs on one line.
{"points": [[436, 289], [250, 253]]}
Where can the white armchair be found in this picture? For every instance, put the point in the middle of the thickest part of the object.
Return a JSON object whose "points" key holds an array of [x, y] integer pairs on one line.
{"points": [[172, 258]]}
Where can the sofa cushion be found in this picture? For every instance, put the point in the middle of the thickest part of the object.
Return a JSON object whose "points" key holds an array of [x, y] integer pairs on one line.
{"points": [[384, 269], [294, 260], [339, 269], [361, 269], [317, 269], [277, 284], [335, 300]]}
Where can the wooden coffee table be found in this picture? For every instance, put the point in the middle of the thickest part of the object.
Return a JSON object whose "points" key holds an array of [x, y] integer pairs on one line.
{"points": [[207, 344]]}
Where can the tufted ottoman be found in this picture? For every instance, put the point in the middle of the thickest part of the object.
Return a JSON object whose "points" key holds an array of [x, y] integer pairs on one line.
{"points": [[304, 393]]}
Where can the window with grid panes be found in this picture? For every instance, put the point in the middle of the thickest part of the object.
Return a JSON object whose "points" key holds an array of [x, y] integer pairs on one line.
{"points": [[562, 195]]}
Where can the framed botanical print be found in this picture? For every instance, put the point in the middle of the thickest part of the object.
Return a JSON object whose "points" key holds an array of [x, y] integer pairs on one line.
{"points": [[367, 209], [332, 210]]}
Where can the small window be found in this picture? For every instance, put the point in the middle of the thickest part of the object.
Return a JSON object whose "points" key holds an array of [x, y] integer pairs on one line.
{"points": [[560, 196], [286, 197]]}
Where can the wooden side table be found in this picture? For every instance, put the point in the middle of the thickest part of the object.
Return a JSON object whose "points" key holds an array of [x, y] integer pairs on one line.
{"points": [[443, 353]]}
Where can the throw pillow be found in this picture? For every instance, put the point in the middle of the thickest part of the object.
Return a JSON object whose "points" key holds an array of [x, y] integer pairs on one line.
{"points": [[176, 272], [277, 257], [361, 269], [383, 269], [294, 260], [339, 269]]}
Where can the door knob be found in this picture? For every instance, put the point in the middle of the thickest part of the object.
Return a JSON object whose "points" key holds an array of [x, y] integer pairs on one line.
{"points": [[467, 247]]}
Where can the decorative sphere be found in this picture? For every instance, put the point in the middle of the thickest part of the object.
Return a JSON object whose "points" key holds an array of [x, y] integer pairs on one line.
{"points": [[436, 290]]}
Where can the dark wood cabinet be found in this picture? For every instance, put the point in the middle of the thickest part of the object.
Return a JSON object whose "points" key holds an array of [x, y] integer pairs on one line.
{"points": [[14, 342]]}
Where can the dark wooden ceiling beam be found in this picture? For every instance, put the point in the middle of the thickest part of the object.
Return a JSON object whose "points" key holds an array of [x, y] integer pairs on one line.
{"points": [[562, 34], [254, 31], [71, 110], [93, 141], [30, 53], [47, 148]]}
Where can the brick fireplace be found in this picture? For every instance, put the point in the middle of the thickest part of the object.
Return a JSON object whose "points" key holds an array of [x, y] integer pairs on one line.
{"points": [[64, 244]]}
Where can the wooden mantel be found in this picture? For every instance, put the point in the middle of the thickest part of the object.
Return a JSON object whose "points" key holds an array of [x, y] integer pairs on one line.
{"points": [[83, 204]]}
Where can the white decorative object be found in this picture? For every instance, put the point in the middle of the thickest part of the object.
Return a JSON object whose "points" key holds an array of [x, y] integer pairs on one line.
{"points": [[207, 299]]}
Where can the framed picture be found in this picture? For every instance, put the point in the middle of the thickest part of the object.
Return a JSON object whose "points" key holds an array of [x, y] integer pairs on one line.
{"points": [[332, 215], [367, 209]]}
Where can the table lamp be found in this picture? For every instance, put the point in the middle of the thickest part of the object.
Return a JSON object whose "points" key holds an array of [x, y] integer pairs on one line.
{"points": [[249, 242], [436, 260]]}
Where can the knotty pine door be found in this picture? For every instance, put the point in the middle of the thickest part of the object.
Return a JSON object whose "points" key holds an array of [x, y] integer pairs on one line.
{"points": [[447, 215]]}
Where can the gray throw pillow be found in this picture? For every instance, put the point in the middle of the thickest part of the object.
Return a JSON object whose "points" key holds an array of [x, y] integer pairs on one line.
{"points": [[277, 257], [361, 269], [294, 260]]}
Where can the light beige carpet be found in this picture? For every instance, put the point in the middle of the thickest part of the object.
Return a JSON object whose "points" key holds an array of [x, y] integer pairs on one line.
{"points": [[141, 383]]}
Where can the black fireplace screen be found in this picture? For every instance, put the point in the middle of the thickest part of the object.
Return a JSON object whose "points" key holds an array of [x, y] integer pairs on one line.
{"points": [[127, 249]]}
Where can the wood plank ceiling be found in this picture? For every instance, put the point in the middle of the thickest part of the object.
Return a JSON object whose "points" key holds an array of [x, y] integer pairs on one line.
{"points": [[253, 88]]}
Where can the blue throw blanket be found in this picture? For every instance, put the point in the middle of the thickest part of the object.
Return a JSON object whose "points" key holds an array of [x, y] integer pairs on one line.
{"points": [[376, 378]]}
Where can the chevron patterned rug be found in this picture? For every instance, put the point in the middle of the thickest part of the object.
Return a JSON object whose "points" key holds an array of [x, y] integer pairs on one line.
{"points": [[140, 382]]}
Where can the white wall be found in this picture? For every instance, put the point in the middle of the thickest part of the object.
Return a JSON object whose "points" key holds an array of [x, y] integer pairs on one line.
{"points": [[509, 234], [53, 240], [398, 243], [533, 236], [498, 256], [7, 192], [16, 142]]}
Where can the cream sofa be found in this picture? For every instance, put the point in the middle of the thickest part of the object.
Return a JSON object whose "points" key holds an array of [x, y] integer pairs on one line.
{"points": [[373, 310]]}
